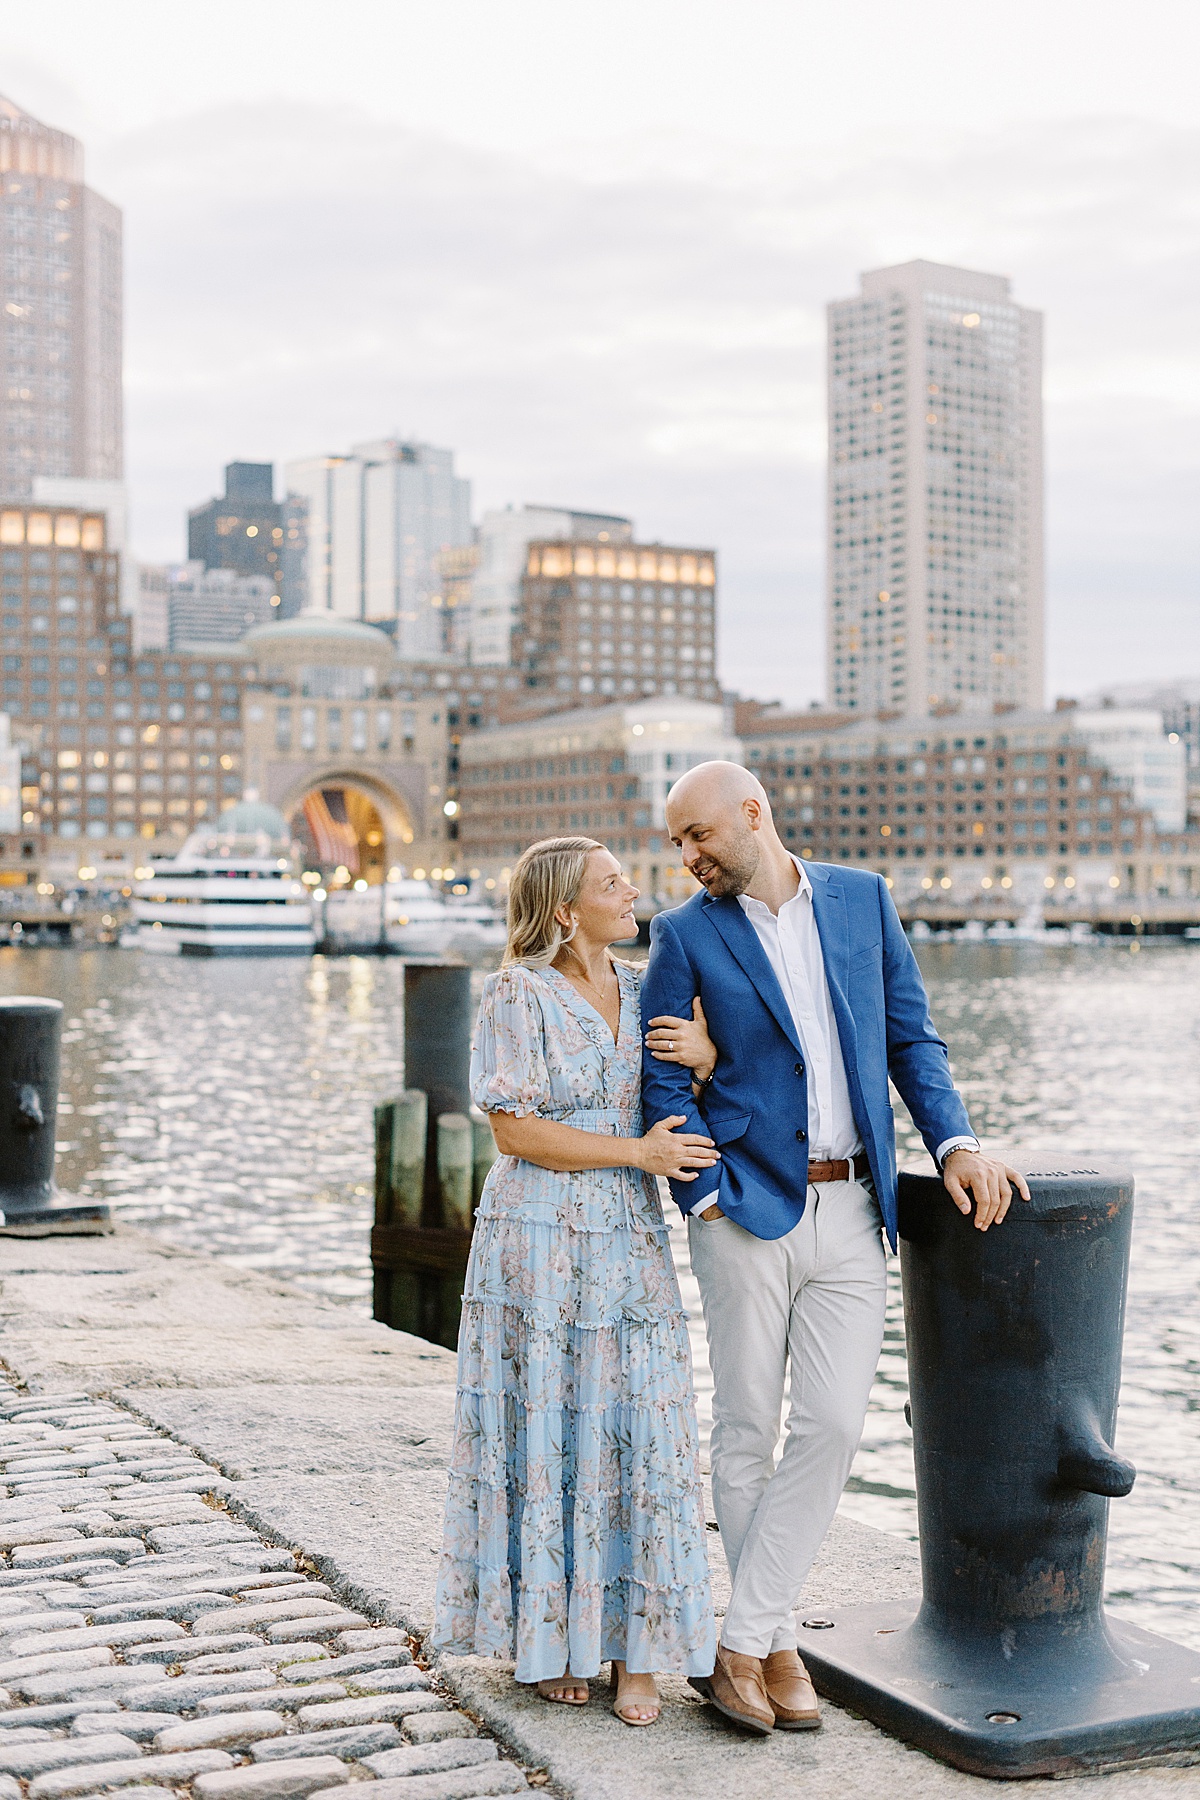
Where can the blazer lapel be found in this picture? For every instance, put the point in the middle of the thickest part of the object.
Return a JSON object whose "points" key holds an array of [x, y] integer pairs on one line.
{"points": [[742, 940], [833, 926]]}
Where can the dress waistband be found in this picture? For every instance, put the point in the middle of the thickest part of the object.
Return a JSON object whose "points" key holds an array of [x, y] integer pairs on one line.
{"points": [[624, 1121]]}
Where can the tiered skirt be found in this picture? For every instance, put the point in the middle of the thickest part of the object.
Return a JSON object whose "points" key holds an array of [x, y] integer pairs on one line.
{"points": [[574, 1518]]}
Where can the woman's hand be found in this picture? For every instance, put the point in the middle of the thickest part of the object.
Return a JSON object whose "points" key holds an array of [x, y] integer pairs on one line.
{"points": [[660, 1152], [684, 1041]]}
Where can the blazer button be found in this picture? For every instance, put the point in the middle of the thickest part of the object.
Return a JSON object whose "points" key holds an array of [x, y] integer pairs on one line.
{"points": [[799, 1068], [800, 1136]]}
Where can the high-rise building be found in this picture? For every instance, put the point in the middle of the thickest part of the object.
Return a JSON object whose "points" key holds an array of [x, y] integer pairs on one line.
{"points": [[249, 532], [601, 621], [379, 521], [60, 312], [504, 538], [204, 607], [935, 495]]}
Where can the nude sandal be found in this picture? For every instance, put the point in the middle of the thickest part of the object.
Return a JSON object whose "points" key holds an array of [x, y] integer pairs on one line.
{"points": [[614, 1688], [545, 1688]]}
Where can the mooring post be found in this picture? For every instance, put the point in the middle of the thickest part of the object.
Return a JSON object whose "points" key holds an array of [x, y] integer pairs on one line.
{"points": [[399, 1195], [454, 1160], [1010, 1666], [437, 1053], [381, 1277], [30, 1202], [419, 1252], [411, 1110], [483, 1152]]}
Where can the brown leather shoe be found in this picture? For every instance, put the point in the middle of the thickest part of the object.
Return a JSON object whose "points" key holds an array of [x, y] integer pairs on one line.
{"points": [[790, 1691], [736, 1689]]}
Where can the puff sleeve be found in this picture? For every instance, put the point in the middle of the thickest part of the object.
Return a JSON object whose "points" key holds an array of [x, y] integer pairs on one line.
{"points": [[508, 1063]]}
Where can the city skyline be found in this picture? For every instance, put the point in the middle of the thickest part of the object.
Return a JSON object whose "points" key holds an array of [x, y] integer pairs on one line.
{"points": [[641, 333]]}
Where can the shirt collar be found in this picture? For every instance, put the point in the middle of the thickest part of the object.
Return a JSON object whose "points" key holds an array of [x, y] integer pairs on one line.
{"points": [[759, 908]]}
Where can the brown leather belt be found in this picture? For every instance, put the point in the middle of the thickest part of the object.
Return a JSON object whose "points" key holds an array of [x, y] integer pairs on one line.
{"points": [[839, 1171]]}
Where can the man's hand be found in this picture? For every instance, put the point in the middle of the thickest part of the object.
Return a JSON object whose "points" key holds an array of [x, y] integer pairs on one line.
{"points": [[970, 1172]]}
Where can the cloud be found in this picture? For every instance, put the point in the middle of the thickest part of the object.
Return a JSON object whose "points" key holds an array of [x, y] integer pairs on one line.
{"points": [[652, 341]]}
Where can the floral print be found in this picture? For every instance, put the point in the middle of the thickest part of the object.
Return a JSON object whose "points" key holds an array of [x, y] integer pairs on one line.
{"points": [[574, 1519]]}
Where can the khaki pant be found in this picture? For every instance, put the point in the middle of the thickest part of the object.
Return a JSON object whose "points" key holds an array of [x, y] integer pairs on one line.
{"points": [[814, 1299]]}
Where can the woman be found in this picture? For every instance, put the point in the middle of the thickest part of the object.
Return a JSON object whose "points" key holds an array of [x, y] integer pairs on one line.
{"points": [[574, 1527]]}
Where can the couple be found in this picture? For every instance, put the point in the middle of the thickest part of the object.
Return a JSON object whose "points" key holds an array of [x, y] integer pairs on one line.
{"points": [[779, 1000]]}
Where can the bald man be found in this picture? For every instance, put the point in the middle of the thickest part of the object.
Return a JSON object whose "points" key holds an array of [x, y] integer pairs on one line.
{"points": [[813, 999]]}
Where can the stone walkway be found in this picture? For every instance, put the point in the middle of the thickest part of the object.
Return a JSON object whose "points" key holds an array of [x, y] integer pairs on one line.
{"points": [[149, 1640], [220, 1512]]}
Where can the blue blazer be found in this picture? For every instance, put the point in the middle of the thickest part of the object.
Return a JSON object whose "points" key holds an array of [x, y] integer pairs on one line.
{"points": [[757, 1100]]}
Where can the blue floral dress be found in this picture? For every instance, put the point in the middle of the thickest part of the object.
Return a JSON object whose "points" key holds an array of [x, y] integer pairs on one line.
{"points": [[574, 1520]]}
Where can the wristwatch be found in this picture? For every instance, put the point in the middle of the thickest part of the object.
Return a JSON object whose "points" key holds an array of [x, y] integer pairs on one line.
{"points": [[950, 1146]]}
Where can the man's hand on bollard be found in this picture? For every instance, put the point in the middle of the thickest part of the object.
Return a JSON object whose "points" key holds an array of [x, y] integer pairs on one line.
{"points": [[969, 1173]]}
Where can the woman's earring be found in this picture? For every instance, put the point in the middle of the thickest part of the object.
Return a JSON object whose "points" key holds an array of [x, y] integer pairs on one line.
{"points": [[570, 934]]}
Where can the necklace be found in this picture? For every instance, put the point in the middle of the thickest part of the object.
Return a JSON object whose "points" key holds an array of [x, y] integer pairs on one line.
{"points": [[586, 979]]}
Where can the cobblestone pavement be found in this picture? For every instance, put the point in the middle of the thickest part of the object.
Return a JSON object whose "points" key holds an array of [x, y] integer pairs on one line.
{"points": [[332, 1435], [151, 1641]]}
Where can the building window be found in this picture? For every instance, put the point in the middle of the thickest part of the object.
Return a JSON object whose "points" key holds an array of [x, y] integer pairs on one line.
{"points": [[358, 729], [308, 727], [383, 730], [333, 728], [283, 728]]}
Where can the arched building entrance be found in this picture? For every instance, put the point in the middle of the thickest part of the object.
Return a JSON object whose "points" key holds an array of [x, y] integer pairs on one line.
{"points": [[350, 820]]}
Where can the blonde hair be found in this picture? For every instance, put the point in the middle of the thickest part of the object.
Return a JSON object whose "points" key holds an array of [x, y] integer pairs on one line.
{"points": [[547, 875]]}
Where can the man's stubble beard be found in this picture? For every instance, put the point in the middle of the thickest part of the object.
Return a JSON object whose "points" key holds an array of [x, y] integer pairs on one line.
{"points": [[735, 870]]}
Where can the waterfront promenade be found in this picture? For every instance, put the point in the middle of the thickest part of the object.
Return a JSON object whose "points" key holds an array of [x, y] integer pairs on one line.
{"points": [[329, 1435]]}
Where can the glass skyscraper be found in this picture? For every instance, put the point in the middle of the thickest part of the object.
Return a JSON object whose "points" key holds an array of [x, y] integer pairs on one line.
{"points": [[935, 495], [60, 312]]}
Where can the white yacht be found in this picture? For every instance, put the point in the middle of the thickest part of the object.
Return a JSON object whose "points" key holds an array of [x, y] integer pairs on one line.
{"points": [[412, 918], [231, 891], [423, 922]]}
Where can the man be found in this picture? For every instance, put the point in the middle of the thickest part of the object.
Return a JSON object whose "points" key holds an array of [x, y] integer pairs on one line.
{"points": [[813, 999]]}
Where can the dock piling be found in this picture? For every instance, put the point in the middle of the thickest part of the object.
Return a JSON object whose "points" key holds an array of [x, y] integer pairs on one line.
{"points": [[483, 1153], [454, 1164], [411, 1110], [426, 1182]]}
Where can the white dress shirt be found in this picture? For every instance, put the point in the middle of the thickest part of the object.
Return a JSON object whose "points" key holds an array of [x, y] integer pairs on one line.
{"points": [[793, 949]]}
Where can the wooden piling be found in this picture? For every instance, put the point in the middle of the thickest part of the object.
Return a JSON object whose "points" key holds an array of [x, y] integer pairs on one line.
{"points": [[411, 1110], [454, 1165], [427, 1181], [483, 1152]]}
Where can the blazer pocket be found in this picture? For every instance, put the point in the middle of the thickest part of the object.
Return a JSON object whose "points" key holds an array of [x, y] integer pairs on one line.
{"points": [[725, 1131], [873, 953]]}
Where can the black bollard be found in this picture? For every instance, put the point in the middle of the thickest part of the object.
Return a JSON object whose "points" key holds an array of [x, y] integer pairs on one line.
{"points": [[419, 1263], [31, 1204], [1010, 1665], [437, 1054]]}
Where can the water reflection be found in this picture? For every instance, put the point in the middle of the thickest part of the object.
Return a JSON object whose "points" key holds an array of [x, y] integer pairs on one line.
{"points": [[228, 1106]]}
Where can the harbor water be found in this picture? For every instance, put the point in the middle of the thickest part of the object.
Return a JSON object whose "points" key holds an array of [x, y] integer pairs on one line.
{"points": [[226, 1105]]}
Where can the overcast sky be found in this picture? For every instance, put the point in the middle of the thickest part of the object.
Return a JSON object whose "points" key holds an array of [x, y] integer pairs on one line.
{"points": [[589, 245]]}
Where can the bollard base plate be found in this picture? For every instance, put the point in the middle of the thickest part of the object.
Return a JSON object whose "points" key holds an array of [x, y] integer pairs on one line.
{"points": [[1133, 1697], [64, 1215]]}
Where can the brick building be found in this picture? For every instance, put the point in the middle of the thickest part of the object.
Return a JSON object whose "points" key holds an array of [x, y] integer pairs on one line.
{"points": [[988, 798], [115, 746], [605, 621], [128, 751], [602, 772]]}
